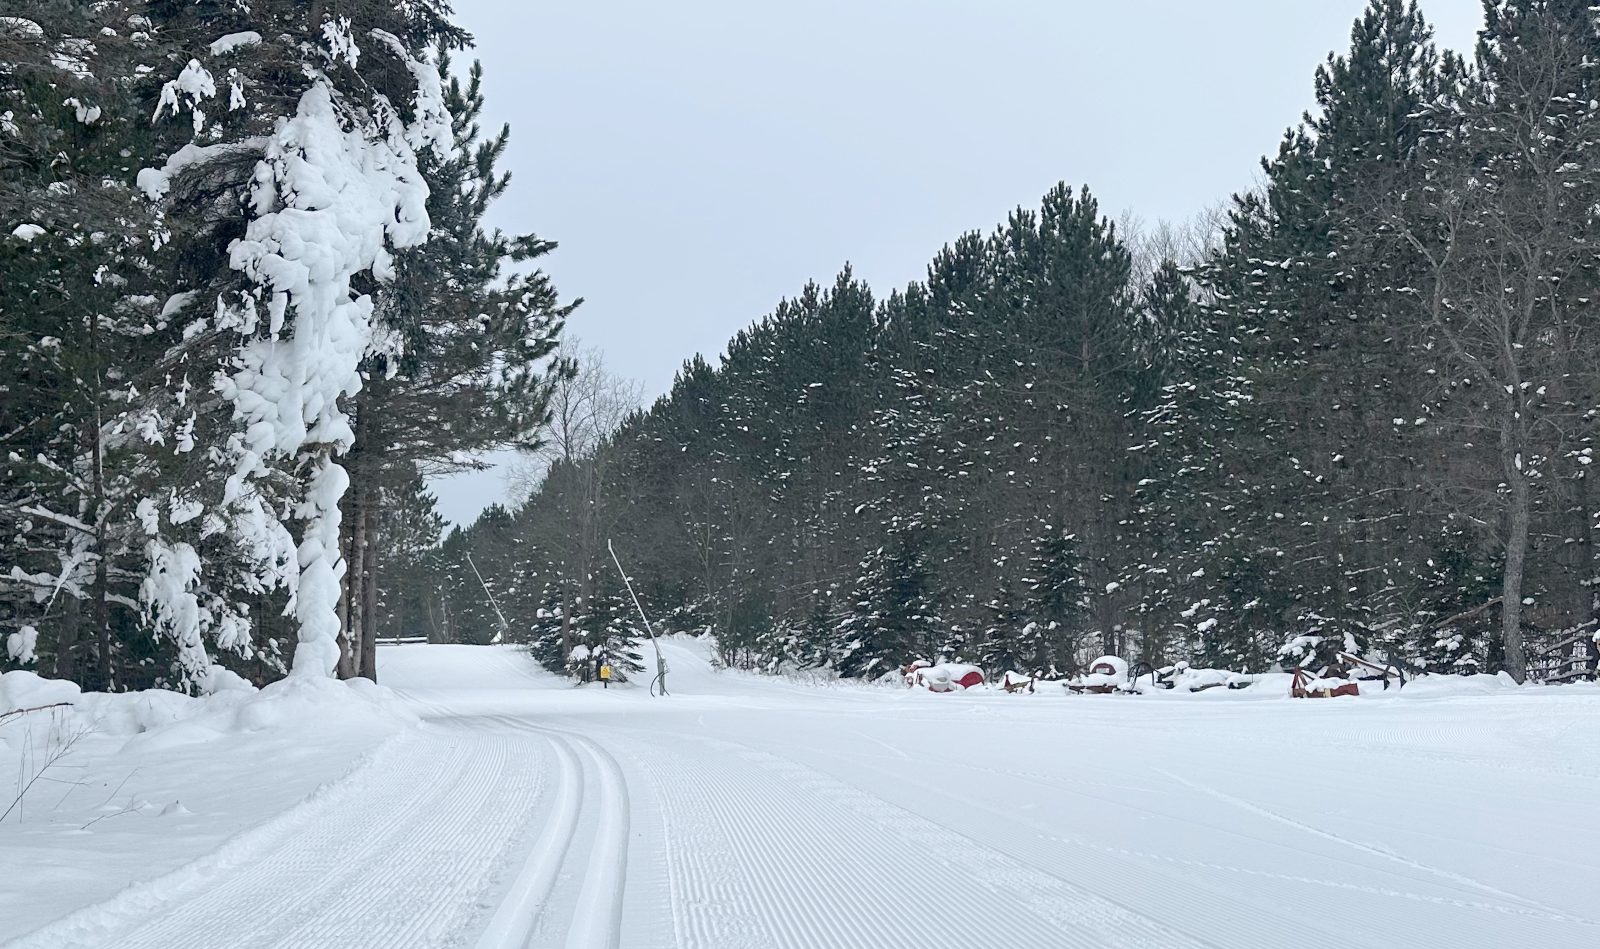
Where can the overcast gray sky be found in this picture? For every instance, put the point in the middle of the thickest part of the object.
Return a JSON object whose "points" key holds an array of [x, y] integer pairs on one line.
{"points": [[699, 160]]}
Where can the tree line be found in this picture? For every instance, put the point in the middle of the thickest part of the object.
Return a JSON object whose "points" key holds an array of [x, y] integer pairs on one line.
{"points": [[248, 306], [1356, 415]]}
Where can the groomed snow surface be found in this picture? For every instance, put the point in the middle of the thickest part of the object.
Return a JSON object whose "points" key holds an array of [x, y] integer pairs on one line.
{"points": [[479, 802]]}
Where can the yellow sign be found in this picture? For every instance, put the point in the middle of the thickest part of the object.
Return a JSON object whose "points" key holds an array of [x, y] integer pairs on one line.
{"points": [[605, 673]]}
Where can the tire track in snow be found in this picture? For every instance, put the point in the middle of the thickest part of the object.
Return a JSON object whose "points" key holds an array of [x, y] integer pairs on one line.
{"points": [[396, 853], [803, 860]]}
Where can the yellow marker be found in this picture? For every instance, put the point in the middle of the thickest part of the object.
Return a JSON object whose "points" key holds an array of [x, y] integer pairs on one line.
{"points": [[605, 673]]}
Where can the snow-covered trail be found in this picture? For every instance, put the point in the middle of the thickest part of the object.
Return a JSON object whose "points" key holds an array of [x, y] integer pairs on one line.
{"points": [[772, 814], [750, 812], [391, 855], [890, 819]]}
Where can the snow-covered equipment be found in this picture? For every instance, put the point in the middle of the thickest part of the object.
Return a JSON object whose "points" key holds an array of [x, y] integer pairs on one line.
{"points": [[943, 677], [661, 663], [1162, 678], [1344, 677], [1181, 677], [1358, 668], [1016, 682], [1106, 675], [1309, 686]]}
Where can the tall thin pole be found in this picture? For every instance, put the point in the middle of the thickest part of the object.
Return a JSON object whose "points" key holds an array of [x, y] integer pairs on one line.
{"points": [[661, 663], [504, 626]]}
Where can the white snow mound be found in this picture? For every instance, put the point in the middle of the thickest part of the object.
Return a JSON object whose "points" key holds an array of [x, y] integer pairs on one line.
{"points": [[161, 717]]}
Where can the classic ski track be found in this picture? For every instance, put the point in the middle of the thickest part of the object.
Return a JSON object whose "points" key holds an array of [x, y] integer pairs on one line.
{"points": [[525, 902], [397, 854], [858, 874], [597, 916], [596, 920]]}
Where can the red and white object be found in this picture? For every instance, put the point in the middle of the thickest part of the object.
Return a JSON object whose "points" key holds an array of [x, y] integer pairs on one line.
{"points": [[943, 677]]}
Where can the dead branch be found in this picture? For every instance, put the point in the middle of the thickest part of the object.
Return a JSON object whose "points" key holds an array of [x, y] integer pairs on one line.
{"points": [[36, 708], [1469, 614]]}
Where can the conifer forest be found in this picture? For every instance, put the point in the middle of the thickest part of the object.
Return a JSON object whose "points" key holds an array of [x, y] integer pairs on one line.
{"points": [[250, 306]]}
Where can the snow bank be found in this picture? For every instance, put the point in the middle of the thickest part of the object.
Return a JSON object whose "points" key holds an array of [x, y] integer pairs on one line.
{"points": [[1437, 686], [164, 790], [160, 718]]}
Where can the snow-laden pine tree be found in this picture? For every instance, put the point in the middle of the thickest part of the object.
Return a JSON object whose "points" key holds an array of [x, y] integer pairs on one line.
{"points": [[291, 179], [460, 367], [1295, 448], [249, 263], [895, 620], [99, 429]]}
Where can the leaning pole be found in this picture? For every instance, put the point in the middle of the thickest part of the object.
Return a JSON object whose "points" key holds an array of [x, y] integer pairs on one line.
{"points": [[661, 663]]}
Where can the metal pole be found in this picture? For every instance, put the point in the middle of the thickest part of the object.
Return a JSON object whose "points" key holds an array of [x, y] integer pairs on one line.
{"points": [[661, 663], [504, 626]]}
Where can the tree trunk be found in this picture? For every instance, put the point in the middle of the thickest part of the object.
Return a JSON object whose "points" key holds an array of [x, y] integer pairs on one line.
{"points": [[399, 623], [102, 582], [351, 602], [1516, 548], [102, 614], [355, 579], [1581, 602], [566, 621], [346, 654], [369, 590], [67, 640]]}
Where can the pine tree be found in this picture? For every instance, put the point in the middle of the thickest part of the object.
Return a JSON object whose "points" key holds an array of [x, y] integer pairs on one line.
{"points": [[895, 620], [1054, 603], [460, 373], [1003, 647], [99, 430]]}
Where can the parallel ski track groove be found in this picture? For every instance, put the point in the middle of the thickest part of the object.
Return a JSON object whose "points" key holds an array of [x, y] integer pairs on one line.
{"points": [[597, 917], [596, 921], [529, 894]]}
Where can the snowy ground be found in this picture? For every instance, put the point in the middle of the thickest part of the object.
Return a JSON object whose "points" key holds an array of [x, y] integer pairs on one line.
{"points": [[748, 812]]}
